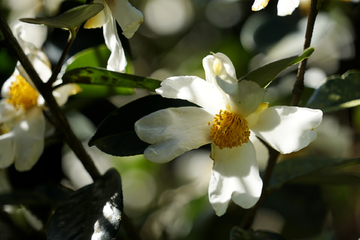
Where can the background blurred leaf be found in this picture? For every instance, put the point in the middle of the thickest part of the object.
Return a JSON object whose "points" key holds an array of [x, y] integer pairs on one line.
{"points": [[116, 134], [94, 57], [290, 170], [92, 212], [99, 76], [338, 92], [70, 19], [265, 74], [238, 233]]}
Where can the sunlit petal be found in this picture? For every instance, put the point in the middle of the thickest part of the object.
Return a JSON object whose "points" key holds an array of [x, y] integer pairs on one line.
{"points": [[260, 4], [117, 61], [128, 17], [244, 96], [286, 7], [218, 64], [62, 93], [173, 131], [29, 137], [195, 90], [235, 176], [287, 129]]}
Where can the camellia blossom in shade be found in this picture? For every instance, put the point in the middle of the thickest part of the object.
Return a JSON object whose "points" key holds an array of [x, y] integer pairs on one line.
{"points": [[22, 122], [284, 7], [229, 111], [129, 19]]}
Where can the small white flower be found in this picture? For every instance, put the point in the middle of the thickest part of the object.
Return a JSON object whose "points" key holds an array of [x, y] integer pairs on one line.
{"points": [[129, 19], [22, 123], [228, 111], [284, 7]]}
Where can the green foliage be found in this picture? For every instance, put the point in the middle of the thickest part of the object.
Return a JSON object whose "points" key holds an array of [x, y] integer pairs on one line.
{"points": [[338, 92], [92, 211], [71, 19], [313, 171], [99, 76], [94, 57], [116, 134], [267, 73]]}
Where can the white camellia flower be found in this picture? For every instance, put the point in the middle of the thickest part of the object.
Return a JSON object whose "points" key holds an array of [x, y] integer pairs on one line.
{"points": [[129, 19], [22, 122], [229, 110], [284, 7]]}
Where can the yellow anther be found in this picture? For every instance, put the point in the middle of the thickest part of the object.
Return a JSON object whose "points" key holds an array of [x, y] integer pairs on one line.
{"points": [[22, 94], [229, 130]]}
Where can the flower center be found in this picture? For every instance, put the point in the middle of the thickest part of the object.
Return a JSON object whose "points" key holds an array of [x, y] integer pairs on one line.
{"points": [[229, 130], [22, 94]]}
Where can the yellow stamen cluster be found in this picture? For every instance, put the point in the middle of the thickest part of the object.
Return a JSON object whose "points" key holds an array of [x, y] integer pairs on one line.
{"points": [[22, 94], [229, 130]]}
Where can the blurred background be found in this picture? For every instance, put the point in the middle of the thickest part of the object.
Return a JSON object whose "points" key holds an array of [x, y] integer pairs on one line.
{"points": [[169, 201]]}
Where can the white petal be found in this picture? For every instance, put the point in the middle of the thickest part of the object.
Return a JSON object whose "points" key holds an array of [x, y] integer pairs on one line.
{"points": [[96, 21], [62, 93], [117, 61], [286, 7], [287, 129], [128, 17], [195, 90], [7, 156], [173, 131], [29, 137], [235, 176], [99, 19], [218, 64], [259, 4], [244, 96], [8, 112]]}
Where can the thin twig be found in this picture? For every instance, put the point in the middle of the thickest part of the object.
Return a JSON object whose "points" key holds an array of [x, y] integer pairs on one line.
{"points": [[59, 64], [249, 217], [299, 84], [46, 91]]}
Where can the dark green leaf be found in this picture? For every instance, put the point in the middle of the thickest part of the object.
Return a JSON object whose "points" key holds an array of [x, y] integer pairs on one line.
{"points": [[99, 76], [95, 57], [291, 170], [338, 92], [70, 19], [328, 177], [238, 233], [92, 211], [265, 74], [116, 134]]}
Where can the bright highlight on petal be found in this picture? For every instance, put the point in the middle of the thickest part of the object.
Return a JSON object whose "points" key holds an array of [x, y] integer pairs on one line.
{"points": [[22, 95], [259, 4], [229, 130]]}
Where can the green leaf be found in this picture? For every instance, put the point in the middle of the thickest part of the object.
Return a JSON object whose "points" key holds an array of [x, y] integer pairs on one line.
{"points": [[267, 73], [328, 177], [70, 19], [299, 169], [95, 57], [92, 211], [99, 76], [116, 134], [97, 91], [337, 93]]}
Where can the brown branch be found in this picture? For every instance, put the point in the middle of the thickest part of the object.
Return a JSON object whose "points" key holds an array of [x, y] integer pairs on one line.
{"points": [[299, 84]]}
